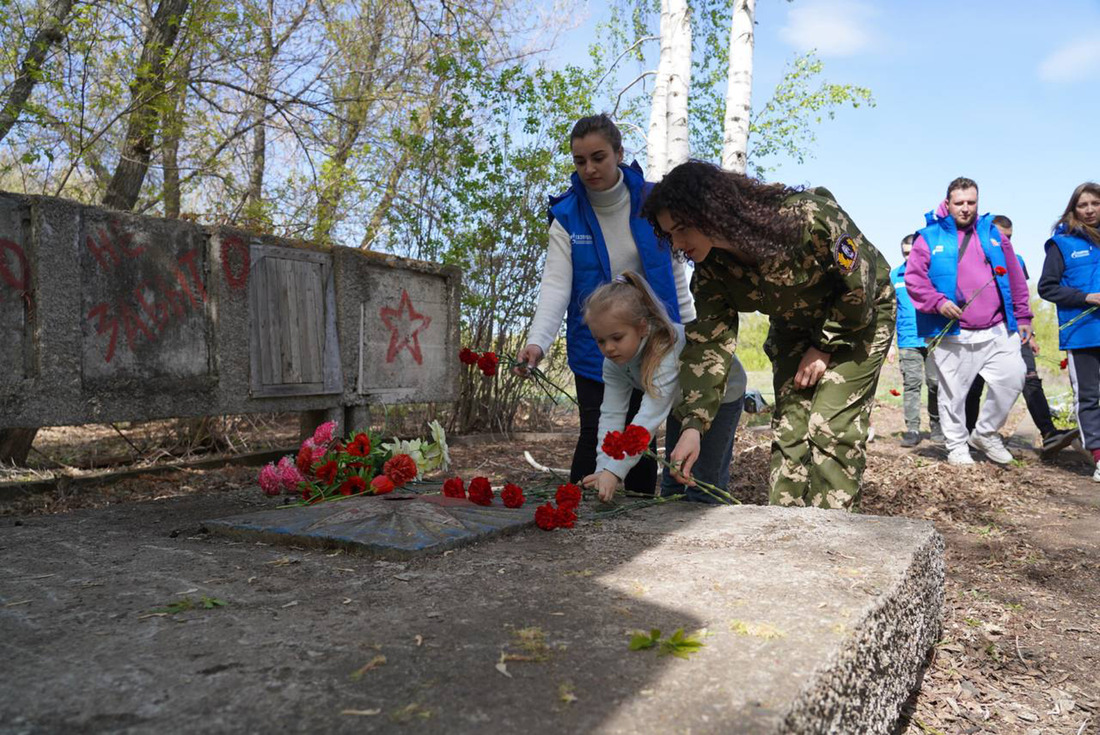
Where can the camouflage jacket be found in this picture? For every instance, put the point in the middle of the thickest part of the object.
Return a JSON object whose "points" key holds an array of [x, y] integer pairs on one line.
{"points": [[829, 294]]}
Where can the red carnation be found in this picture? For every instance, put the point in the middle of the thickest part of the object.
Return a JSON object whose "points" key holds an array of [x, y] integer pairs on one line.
{"points": [[613, 445], [1064, 363], [353, 485], [481, 492], [487, 363], [326, 473], [894, 392], [360, 446], [564, 517], [453, 488], [635, 439], [400, 469], [512, 495], [545, 517], [305, 459], [467, 356], [568, 495], [382, 485], [1000, 270]]}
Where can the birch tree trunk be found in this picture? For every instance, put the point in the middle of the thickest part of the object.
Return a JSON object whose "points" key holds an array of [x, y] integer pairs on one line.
{"points": [[679, 85], [735, 136], [657, 147], [668, 121]]}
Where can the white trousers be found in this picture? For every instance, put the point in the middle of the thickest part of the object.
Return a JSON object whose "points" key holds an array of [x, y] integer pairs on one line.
{"points": [[998, 361]]}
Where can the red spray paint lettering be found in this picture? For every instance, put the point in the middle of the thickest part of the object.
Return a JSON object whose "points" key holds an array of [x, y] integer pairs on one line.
{"points": [[19, 278], [230, 245], [109, 252], [167, 303]]}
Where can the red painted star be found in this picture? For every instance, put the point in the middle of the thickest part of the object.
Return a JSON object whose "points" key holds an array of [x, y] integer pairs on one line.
{"points": [[405, 325]]}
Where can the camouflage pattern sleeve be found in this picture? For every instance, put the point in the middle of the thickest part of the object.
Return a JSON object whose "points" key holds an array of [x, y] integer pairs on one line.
{"points": [[705, 361], [852, 262]]}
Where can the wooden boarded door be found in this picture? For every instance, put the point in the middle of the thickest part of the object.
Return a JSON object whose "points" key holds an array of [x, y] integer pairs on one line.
{"points": [[293, 343]]}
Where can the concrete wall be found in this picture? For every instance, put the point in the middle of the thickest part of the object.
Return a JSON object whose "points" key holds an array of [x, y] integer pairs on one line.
{"points": [[108, 316]]}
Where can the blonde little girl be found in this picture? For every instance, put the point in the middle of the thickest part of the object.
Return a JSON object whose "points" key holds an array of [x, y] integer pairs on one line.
{"points": [[641, 348]]}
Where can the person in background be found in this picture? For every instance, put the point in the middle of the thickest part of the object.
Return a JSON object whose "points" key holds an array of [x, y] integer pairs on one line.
{"points": [[915, 366], [1071, 281], [1053, 438], [596, 233], [962, 269]]}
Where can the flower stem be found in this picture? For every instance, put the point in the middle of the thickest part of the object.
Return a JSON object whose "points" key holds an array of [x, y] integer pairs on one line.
{"points": [[1077, 318], [542, 380], [712, 490]]}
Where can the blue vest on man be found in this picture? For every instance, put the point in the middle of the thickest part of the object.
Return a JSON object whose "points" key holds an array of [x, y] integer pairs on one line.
{"points": [[907, 313], [1082, 271], [942, 238], [592, 266]]}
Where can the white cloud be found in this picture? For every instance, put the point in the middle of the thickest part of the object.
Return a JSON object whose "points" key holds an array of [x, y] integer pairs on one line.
{"points": [[833, 27], [1074, 62]]}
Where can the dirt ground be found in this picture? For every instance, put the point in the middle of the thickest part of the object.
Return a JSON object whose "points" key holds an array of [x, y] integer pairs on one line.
{"points": [[1021, 643]]}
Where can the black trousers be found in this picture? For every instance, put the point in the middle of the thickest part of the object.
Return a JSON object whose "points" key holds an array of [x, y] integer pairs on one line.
{"points": [[1034, 397], [1084, 365], [641, 479]]}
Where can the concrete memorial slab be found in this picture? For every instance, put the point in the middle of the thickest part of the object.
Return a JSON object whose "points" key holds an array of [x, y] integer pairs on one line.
{"points": [[397, 525], [15, 290], [816, 622]]}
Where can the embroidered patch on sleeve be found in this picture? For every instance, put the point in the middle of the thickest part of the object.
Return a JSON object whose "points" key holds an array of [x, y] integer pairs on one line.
{"points": [[845, 253]]}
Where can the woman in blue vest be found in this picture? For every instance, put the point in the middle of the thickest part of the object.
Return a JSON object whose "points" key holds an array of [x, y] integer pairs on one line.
{"points": [[596, 233], [1071, 280]]}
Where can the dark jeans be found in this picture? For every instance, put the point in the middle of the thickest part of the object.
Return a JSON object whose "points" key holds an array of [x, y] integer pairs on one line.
{"points": [[641, 479], [1034, 397], [715, 453]]}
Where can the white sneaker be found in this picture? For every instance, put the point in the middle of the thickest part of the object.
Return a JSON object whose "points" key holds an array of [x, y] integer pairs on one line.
{"points": [[1096, 475], [960, 456], [992, 446]]}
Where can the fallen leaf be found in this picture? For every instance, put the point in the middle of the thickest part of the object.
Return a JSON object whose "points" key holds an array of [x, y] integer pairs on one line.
{"points": [[503, 668], [374, 663], [362, 712]]}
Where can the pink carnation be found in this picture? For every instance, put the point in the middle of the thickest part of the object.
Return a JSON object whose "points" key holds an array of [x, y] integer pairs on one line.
{"points": [[270, 481], [323, 435], [289, 476], [316, 450]]}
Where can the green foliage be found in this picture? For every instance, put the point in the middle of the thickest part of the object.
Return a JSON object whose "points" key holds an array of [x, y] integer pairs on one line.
{"points": [[186, 603], [679, 644], [785, 125]]}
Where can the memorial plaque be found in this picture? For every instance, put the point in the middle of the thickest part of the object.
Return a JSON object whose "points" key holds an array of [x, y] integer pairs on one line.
{"points": [[144, 299], [403, 336], [16, 294], [395, 525]]}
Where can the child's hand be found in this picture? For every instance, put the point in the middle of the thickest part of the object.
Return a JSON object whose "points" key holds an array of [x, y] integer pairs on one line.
{"points": [[606, 483], [685, 454]]}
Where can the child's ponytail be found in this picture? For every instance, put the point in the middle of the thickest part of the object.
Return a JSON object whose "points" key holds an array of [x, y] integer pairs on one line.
{"points": [[631, 297]]}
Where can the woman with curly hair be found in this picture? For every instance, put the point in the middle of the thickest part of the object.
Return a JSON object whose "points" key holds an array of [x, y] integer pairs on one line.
{"points": [[1071, 280], [798, 257]]}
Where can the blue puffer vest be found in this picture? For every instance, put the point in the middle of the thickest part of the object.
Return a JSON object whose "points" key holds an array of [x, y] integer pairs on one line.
{"points": [[592, 267], [1082, 272], [943, 245], [907, 314]]}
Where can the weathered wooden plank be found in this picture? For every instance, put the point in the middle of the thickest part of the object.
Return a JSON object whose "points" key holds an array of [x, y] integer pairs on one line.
{"points": [[271, 294], [334, 376], [291, 273], [307, 317]]}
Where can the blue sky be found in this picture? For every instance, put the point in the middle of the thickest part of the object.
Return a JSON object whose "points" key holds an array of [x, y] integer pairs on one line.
{"points": [[1007, 93]]}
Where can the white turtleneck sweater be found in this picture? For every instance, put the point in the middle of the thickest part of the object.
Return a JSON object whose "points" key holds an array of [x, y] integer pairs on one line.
{"points": [[612, 208]]}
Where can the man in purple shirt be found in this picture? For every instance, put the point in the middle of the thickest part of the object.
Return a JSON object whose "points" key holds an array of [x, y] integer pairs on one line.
{"points": [[962, 268]]}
